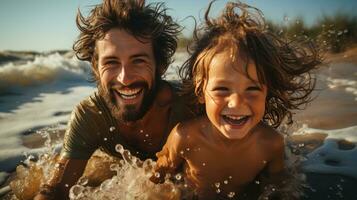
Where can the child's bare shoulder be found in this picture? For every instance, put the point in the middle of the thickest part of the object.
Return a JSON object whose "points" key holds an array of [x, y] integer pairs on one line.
{"points": [[268, 136], [190, 127]]}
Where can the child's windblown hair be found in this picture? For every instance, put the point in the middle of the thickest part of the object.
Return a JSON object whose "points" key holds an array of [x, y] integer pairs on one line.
{"points": [[283, 65]]}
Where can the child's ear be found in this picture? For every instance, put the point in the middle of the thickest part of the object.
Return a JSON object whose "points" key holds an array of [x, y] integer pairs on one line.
{"points": [[201, 99]]}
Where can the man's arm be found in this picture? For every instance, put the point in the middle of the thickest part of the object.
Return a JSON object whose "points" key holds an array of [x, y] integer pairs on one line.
{"points": [[64, 176]]}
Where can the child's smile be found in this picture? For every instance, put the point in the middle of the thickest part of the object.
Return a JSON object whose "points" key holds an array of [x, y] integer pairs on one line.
{"points": [[236, 121], [235, 100]]}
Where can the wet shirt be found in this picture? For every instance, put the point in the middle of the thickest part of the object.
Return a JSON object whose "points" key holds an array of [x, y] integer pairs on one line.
{"points": [[92, 126]]}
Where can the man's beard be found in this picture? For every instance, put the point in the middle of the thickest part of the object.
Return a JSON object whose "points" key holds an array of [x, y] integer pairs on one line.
{"points": [[129, 113]]}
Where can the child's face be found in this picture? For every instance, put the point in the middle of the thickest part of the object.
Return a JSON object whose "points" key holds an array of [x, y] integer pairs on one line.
{"points": [[234, 102]]}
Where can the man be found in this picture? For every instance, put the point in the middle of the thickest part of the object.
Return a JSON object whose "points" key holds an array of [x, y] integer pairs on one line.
{"points": [[130, 46]]}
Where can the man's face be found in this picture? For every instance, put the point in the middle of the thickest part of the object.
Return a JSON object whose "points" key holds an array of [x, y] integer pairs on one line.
{"points": [[126, 69]]}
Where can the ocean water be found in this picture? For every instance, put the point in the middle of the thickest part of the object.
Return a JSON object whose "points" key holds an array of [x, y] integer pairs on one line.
{"points": [[37, 96]]}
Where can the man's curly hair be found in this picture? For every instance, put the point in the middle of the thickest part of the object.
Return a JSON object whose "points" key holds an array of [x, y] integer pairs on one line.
{"points": [[283, 65], [134, 16]]}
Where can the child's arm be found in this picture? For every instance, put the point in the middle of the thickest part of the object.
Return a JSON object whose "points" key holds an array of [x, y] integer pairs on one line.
{"points": [[279, 183], [169, 158], [276, 164]]}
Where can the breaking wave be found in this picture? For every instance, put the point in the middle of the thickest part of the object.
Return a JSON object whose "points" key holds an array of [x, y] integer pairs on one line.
{"points": [[43, 69]]}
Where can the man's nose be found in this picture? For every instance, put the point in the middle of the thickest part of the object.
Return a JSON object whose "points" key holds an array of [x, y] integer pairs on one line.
{"points": [[125, 75]]}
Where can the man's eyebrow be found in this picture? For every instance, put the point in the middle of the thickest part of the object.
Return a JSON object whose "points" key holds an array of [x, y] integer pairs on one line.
{"points": [[109, 57], [140, 55]]}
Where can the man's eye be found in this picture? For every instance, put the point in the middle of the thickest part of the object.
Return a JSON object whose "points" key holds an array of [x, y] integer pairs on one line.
{"points": [[111, 62], [139, 61]]}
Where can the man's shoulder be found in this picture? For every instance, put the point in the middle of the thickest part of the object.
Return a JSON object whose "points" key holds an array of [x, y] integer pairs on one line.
{"points": [[90, 109], [168, 92], [90, 104]]}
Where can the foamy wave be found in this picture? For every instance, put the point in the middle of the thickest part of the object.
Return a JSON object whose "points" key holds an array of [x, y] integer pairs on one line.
{"points": [[349, 85], [43, 69], [329, 158]]}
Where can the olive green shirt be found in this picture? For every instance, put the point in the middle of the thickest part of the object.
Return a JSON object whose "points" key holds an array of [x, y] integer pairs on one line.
{"points": [[92, 126]]}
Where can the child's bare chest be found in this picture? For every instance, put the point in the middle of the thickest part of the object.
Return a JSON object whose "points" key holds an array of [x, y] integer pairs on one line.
{"points": [[230, 170]]}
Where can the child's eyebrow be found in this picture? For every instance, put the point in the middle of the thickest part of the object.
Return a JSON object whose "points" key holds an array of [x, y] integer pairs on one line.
{"points": [[220, 81]]}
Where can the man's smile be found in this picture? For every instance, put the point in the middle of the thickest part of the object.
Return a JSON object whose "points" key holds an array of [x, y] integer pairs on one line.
{"points": [[129, 93]]}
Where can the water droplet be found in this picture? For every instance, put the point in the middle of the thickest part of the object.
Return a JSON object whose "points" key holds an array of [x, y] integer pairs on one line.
{"points": [[146, 135], [100, 112], [273, 189], [119, 148], [105, 139], [181, 152], [187, 149], [114, 167], [185, 185], [112, 128], [66, 185], [141, 131], [217, 184], [157, 174], [231, 194], [76, 191], [230, 177], [178, 177], [203, 164], [225, 182], [83, 181]]}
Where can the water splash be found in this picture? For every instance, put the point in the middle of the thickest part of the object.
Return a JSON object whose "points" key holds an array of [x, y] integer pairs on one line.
{"points": [[131, 182]]}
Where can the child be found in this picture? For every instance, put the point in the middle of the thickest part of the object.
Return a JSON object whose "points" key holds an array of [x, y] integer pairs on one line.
{"points": [[248, 80]]}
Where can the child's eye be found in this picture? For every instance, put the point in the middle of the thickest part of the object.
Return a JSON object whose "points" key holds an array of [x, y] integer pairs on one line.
{"points": [[220, 89], [254, 88]]}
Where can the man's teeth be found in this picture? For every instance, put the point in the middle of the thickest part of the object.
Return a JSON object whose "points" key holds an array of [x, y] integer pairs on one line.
{"points": [[129, 94]]}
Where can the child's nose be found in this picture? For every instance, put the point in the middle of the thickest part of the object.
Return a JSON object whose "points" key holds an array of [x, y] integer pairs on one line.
{"points": [[234, 101]]}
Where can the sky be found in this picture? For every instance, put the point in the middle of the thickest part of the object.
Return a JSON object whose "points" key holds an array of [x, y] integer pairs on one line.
{"points": [[44, 25]]}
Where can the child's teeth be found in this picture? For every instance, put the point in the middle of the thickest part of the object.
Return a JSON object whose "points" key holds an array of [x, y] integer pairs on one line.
{"points": [[235, 118]]}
